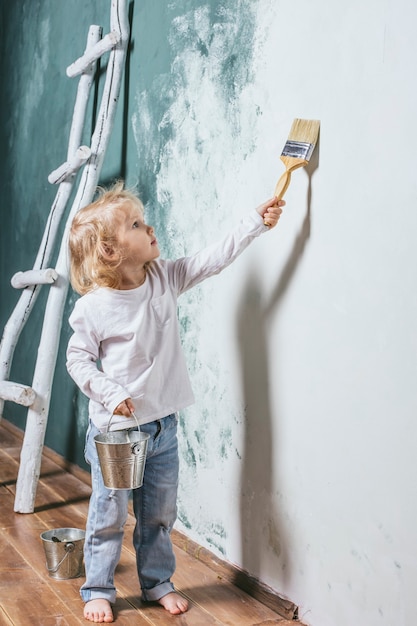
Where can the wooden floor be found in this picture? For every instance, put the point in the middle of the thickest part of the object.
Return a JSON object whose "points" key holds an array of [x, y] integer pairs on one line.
{"points": [[28, 595]]}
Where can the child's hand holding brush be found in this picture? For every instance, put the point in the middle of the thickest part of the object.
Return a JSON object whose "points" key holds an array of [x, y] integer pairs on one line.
{"points": [[271, 211]]}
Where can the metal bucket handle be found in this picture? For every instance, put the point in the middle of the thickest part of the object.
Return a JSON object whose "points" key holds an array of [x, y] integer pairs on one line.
{"points": [[111, 417], [136, 449], [69, 547]]}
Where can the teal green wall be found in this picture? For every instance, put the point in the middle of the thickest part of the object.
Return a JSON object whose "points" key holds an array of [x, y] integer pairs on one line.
{"points": [[39, 39]]}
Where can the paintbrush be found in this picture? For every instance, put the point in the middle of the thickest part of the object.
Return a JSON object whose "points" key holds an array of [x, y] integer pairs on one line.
{"points": [[297, 152]]}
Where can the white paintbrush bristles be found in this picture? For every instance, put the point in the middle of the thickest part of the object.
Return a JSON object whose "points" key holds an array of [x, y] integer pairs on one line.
{"points": [[304, 130]]}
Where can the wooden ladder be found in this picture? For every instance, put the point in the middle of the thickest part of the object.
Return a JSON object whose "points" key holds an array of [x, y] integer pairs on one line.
{"points": [[37, 396]]}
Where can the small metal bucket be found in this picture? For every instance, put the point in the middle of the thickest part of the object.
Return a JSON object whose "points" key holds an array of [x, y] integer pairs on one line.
{"points": [[64, 549], [122, 456]]}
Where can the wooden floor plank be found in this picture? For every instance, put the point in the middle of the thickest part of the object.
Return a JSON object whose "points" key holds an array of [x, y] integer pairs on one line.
{"points": [[29, 595], [4, 619], [42, 604], [10, 559]]}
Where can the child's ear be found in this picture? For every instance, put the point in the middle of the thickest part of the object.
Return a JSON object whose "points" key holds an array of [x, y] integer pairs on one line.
{"points": [[107, 252]]}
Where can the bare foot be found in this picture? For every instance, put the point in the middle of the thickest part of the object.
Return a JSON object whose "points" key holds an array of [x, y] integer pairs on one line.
{"points": [[174, 603], [98, 611]]}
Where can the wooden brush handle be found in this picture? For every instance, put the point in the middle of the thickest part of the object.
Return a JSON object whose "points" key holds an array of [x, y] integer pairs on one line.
{"points": [[280, 188], [282, 185]]}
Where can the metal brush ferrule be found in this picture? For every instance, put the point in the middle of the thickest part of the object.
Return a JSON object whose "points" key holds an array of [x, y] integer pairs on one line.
{"points": [[298, 150]]}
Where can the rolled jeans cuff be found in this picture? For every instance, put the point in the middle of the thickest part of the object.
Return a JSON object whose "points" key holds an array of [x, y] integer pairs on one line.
{"points": [[98, 594], [158, 592]]}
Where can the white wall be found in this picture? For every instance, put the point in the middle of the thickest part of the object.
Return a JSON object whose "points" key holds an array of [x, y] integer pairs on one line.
{"points": [[298, 458]]}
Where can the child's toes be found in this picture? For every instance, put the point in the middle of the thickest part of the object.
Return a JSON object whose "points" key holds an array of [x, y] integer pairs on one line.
{"points": [[98, 611], [174, 603]]}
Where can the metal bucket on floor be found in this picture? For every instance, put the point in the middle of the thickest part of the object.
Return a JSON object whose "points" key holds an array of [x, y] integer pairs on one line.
{"points": [[122, 456], [64, 549]]}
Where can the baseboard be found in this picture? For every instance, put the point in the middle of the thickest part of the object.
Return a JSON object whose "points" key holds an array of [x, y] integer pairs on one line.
{"points": [[252, 586]]}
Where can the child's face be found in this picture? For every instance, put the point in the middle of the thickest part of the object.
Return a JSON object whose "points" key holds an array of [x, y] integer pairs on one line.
{"points": [[136, 239]]}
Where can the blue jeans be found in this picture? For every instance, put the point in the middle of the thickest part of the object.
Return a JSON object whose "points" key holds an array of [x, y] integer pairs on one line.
{"points": [[155, 507]]}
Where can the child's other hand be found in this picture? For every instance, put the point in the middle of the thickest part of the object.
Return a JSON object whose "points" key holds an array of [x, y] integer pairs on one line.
{"points": [[125, 408], [271, 211]]}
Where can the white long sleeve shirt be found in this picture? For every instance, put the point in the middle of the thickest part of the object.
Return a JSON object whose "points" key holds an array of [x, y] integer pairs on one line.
{"points": [[126, 343]]}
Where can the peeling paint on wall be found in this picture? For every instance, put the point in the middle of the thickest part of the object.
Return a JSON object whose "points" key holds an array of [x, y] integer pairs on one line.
{"points": [[205, 118]]}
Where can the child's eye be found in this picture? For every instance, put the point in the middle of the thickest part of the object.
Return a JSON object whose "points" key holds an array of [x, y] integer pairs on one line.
{"points": [[135, 225]]}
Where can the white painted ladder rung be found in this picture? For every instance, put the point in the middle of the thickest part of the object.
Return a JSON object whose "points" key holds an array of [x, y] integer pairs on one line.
{"points": [[92, 54], [16, 392], [71, 167], [21, 280]]}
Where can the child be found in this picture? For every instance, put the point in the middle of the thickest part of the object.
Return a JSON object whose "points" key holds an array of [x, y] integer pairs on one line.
{"points": [[125, 355]]}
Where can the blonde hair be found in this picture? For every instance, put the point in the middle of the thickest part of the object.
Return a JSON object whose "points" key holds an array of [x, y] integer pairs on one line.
{"points": [[95, 255]]}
